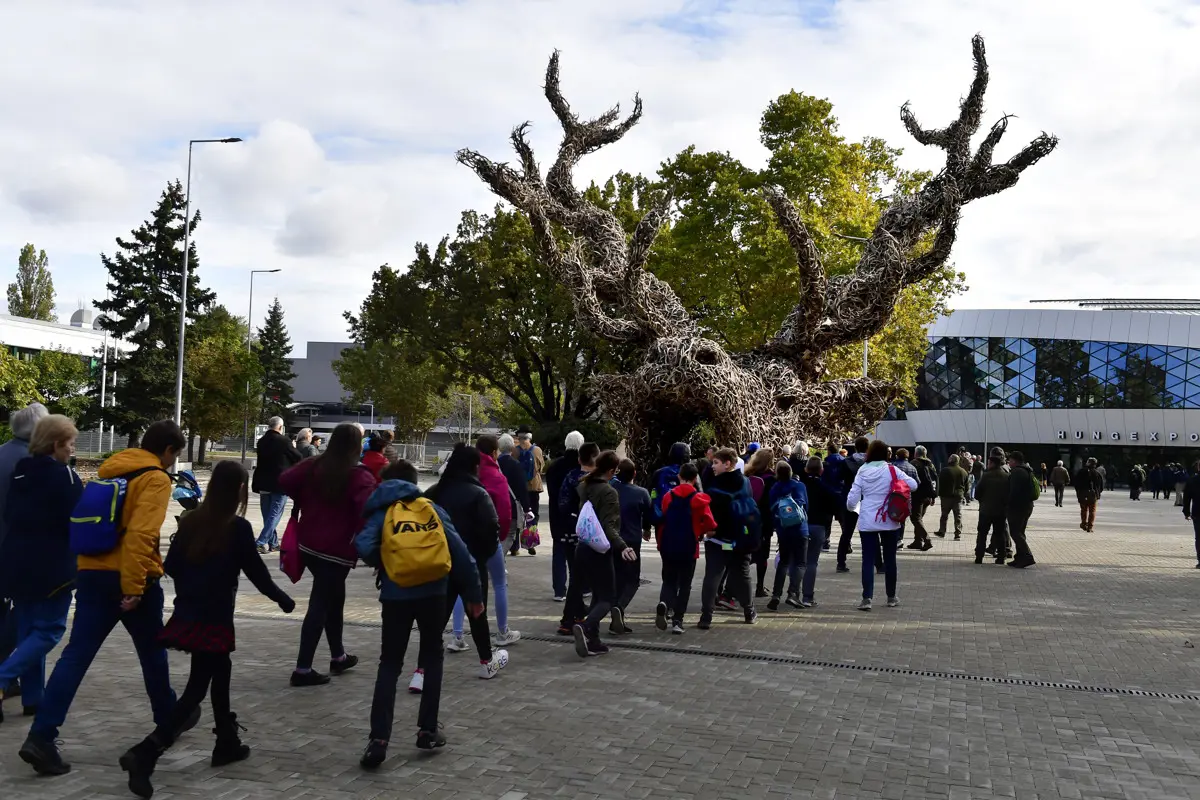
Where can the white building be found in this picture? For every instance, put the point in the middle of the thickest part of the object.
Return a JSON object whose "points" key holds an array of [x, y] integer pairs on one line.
{"points": [[25, 337]]}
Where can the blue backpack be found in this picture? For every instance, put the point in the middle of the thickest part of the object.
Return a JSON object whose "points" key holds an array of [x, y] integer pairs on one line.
{"points": [[789, 513], [666, 480], [678, 539], [743, 509], [95, 527], [526, 459]]}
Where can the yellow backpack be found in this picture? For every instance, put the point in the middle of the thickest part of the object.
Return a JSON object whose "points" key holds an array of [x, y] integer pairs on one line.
{"points": [[413, 544]]}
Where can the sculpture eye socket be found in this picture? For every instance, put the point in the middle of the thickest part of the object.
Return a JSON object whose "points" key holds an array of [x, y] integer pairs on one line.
{"points": [[785, 403], [706, 356]]}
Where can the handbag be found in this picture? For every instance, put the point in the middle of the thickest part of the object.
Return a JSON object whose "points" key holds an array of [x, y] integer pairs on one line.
{"points": [[289, 551], [590, 531], [530, 538]]}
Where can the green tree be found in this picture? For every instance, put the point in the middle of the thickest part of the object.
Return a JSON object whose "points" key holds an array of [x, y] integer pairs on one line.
{"points": [[32, 295], [399, 379], [143, 308], [221, 380], [18, 382], [273, 347], [64, 381]]}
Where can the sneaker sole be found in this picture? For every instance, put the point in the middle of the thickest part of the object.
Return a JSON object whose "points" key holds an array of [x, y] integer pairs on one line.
{"points": [[660, 617], [581, 649]]}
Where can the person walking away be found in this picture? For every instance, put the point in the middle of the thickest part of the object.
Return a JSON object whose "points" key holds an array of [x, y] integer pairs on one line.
{"points": [[1137, 478], [562, 526], [922, 498], [214, 545], [305, 444], [37, 568], [389, 446], [902, 463], [518, 488], [728, 549], [872, 493], [1180, 477], [1044, 475], [976, 464], [1154, 480], [330, 491], [21, 425], [952, 483], [420, 567], [831, 475], [473, 515], [274, 454], [822, 511], [118, 585], [374, 459], [798, 458], [569, 502], [599, 500], [1023, 490], [1191, 505], [992, 493], [498, 485], [686, 519], [637, 521], [761, 472], [1168, 480], [533, 464], [1060, 479], [667, 477], [788, 504], [1089, 485], [849, 516]]}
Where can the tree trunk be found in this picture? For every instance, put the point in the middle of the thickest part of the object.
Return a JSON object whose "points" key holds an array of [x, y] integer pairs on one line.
{"points": [[203, 447], [190, 440]]}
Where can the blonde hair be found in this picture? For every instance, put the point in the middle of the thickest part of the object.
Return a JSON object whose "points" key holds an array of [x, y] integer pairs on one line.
{"points": [[49, 432], [761, 463]]}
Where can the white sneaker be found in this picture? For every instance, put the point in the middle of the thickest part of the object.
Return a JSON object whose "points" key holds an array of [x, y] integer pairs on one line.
{"points": [[506, 637], [559, 598], [492, 668], [865, 605], [457, 644], [417, 684], [893, 602]]}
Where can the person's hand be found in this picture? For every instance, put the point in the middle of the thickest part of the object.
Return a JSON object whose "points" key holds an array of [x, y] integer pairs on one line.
{"points": [[129, 602], [1188, 517], [629, 554], [646, 536], [475, 610], [287, 605]]}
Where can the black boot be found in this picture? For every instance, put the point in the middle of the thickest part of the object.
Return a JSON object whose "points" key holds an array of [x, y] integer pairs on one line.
{"points": [[229, 747], [139, 761]]}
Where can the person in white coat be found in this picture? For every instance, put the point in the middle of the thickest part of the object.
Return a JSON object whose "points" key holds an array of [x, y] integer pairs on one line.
{"points": [[868, 496]]}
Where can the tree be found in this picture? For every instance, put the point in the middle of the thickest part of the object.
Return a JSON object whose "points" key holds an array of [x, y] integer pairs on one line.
{"points": [[64, 381], [217, 372], [143, 309], [32, 296], [778, 390], [18, 382], [399, 379], [274, 345]]}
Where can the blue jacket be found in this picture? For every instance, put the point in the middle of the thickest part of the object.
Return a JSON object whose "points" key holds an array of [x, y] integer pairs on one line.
{"points": [[36, 559], [10, 453], [637, 512], [834, 476], [794, 489], [463, 571]]}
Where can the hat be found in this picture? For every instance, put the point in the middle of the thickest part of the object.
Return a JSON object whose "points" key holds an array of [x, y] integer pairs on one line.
{"points": [[753, 447]]}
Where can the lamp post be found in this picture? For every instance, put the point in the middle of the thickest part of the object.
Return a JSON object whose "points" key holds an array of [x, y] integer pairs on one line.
{"points": [[470, 412], [372, 405], [187, 222], [249, 316]]}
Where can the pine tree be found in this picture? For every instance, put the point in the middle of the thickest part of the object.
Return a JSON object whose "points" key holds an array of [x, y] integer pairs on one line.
{"points": [[32, 296], [274, 344], [143, 309]]}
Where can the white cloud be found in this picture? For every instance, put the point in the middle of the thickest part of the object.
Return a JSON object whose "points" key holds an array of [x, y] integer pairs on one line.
{"points": [[352, 112]]}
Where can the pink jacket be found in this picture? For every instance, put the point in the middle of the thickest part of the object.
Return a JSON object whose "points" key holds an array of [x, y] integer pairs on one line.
{"points": [[327, 530], [497, 488]]}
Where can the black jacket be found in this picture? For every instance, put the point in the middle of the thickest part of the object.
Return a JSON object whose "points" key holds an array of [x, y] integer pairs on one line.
{"points": [[1089, 485], [275, 454], [727, 528], [1191, 496], [517, 482], [471, 511], [560, 524], [822, 503], [37, 561], [1020, 489]]}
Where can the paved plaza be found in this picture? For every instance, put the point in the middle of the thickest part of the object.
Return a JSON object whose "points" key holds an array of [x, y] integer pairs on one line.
{"points": [[1073, 679]]}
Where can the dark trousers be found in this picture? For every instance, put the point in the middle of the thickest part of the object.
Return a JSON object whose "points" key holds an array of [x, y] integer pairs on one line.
{"points": [[872, 542], [561, 558], [429, 614], [919, 507], [1196, 530], [628, 577], [535, 505], [574, 609], [210, 676], [326, 606], [734, 566], [951, 505], [1058, 494], [8, 633], [761, 558], [997, 524], [597, 569], [1087, 513], [847, 520], [677, 575], [1017, 520], [480, 631], [792, 551], [97, 612], [812, 554]]}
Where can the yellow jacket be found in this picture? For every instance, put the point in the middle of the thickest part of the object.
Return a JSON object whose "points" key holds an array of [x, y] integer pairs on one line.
{"points": [[137, 555]]}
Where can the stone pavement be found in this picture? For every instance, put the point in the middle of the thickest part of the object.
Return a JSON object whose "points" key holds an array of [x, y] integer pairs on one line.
{"points": [[1068, 680]]}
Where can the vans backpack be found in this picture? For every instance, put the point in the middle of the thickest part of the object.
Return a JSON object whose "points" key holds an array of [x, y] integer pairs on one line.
{"points": [[95, 524], [413, 545]]}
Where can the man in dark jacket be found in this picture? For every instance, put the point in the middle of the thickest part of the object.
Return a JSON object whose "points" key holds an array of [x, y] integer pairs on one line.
{"points": [[922, 498], [1060, 479], [992, 494], [848, 519], [1021, 495], [274, 453], [667, 477], [562, 526], [518, 484], [1191, 505], [728, 549], [637, 520], [952, 488], [1089, 485]]}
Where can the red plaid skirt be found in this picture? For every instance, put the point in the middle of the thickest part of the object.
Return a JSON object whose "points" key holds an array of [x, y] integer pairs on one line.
{"points": [[197, 637]]}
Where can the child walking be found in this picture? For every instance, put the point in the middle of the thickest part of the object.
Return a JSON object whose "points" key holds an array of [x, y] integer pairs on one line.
{"points": [[214, 545], [686, 518]]}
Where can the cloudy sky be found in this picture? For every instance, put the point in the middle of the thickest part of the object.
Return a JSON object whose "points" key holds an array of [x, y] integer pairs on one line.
{"points": [[352, 112]]}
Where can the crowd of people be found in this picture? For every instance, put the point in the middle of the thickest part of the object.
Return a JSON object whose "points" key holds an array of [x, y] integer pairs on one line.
{"points": [[436, 552]]}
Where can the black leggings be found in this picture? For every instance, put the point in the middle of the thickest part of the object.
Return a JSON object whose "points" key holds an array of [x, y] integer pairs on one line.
{"points": [[209, 676], [326, 604]]}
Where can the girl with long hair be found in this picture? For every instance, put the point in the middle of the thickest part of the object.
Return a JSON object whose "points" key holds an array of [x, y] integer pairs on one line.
{"points": [[214, 545]]}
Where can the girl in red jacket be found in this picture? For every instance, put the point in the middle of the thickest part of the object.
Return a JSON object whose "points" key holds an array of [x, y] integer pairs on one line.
{"points": [[686, 519]]}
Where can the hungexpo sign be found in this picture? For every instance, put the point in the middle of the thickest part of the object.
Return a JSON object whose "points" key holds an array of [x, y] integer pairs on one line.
{"points": [[1148, 437]]}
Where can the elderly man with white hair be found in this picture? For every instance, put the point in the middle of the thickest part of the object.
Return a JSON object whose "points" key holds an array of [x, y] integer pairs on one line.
{"points": [[275, 454], [22, 424], [562, 524]]}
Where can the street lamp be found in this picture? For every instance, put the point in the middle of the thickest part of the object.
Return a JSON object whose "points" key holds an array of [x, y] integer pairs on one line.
{"points": [[470, 412], [249, 316], [372, 405], [187, 222]]}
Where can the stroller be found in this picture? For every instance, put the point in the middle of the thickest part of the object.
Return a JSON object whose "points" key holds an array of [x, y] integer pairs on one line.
{"points": [[187, 492]]}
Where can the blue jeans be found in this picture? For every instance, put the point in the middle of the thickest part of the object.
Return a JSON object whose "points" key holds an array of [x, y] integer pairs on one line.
{"points": [[40, 626], [97, 612], [816, 540], [870, 545], [495, 568], [272, 510], [558, 567], [791, 557]]}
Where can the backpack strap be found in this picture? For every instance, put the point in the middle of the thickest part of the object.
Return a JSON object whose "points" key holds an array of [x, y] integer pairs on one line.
{"points": [[129, 476]]}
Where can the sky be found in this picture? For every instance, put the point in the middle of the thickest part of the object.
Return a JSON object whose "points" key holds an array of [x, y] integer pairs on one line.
{"points": [[352, 112]]}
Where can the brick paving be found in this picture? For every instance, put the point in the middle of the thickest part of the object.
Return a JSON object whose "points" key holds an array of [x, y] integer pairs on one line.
{"points": [[1110, 609]]}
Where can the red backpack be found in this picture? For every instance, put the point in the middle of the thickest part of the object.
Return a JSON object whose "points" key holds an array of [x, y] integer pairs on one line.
{"points": [[897, 506]]}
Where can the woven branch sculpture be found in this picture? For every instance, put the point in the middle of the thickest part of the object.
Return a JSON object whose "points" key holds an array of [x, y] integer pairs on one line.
{"points": [[774, 393]]}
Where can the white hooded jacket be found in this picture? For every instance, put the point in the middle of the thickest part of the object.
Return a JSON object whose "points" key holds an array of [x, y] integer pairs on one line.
{"points": [[869, 492]]}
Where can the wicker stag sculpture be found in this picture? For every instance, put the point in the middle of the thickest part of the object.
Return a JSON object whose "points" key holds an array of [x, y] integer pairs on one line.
{"points": [[774, 393]]}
